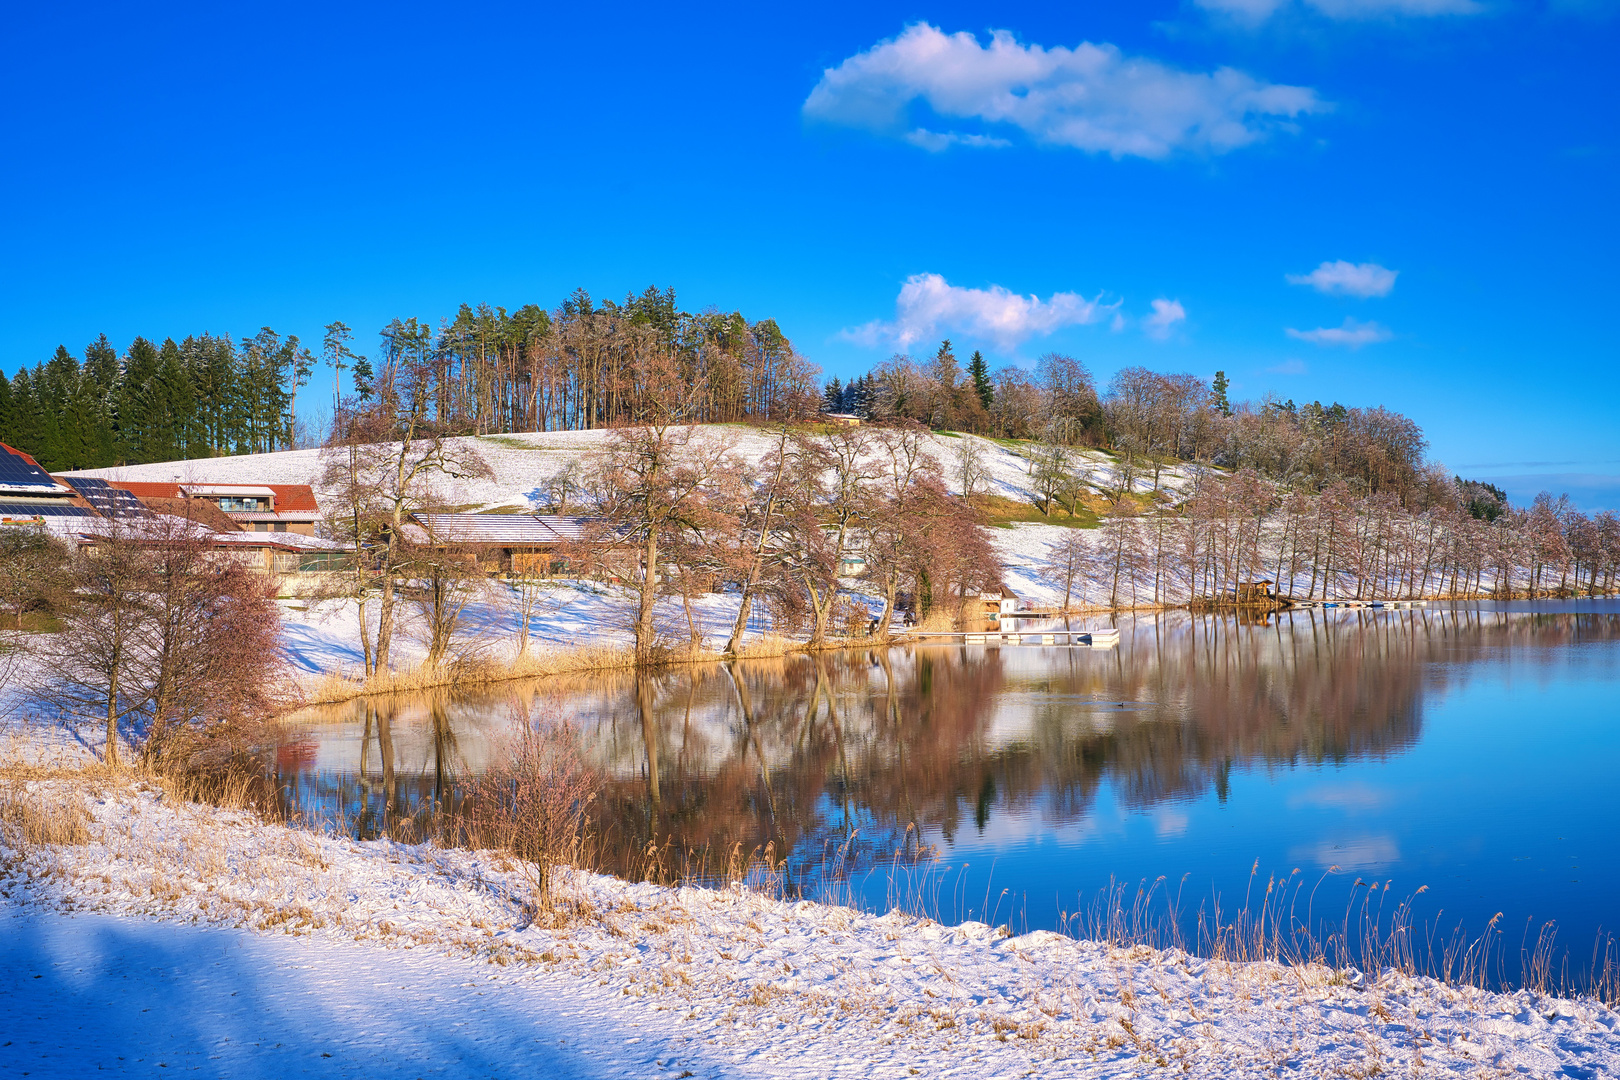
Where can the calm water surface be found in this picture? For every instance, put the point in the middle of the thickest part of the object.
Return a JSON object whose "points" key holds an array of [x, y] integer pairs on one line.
{"points": [[1474, 752]]}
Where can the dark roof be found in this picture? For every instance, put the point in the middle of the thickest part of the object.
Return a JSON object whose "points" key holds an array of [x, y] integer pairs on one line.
{"points": [[107, 500], [27, 511], [21, 474]]}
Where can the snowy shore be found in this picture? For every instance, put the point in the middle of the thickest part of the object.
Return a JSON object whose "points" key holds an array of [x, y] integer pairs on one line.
{"points": [[709, 983]]}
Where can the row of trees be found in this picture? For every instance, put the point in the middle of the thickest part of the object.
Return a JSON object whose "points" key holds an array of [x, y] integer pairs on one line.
{"points": [[201, 397], [675, 510], [576, 366], [1145, 417], [1336, 544]]}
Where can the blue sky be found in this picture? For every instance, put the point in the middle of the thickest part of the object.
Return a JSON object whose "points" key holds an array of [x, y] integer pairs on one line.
{"points": [[1019, 177]]}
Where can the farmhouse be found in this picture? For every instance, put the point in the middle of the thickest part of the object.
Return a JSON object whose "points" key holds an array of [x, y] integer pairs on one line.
{"points": [[506, 543], [272, 508]]}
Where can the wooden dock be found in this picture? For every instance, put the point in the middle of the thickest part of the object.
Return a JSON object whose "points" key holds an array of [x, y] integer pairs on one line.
{"points": [[1103, 638], [1387, 605]]}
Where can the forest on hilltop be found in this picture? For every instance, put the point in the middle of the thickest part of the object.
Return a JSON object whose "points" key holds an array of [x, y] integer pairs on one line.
{"points": [[588, 364]]}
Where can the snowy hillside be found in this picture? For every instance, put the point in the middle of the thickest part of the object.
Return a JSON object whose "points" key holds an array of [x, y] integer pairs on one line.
{"points": [[526, 464]]}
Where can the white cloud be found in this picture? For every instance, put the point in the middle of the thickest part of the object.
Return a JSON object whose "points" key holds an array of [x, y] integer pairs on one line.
{"points": [[1288, 367], [936, 141], [1090, 97], [928, 305], [1166, 315], [1348, 279], [1352, 334], [1259, 10]]}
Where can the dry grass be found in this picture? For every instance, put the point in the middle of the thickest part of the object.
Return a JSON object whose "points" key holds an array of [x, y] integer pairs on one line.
{"points": [[584, 659], [334, 687], [30, 818]]}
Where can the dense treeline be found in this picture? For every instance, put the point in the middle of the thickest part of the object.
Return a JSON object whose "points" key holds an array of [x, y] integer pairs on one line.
{"points": [[581, 365], [200, 397], [1146, 417]]}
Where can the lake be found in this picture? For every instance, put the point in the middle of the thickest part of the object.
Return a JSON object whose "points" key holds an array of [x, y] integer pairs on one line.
{"points": [[1358, 757]]}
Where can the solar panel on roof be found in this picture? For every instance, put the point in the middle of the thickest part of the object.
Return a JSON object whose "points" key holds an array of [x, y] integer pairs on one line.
{"points": [[24, 511], [108, 500], [16, 470]]}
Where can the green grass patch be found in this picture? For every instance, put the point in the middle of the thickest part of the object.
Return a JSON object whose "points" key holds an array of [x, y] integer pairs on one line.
{"points": [[510, 442], [33, 622], [1004, 513]]}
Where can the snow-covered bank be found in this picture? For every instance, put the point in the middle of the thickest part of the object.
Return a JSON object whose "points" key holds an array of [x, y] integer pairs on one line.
{"points": [[762, 986]]}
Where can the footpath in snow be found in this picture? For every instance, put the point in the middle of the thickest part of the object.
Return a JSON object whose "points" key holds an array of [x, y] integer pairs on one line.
{"points": [[414, 960]]}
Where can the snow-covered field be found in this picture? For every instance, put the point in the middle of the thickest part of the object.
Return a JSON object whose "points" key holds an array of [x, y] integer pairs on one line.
{"points": [[263, 950], [524, 466], [325, 638]]}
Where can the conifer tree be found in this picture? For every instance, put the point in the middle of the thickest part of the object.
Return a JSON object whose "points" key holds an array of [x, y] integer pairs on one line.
{"points": [[979, 372], [6, 411], [133, 410], [832, 396], [25, 426], [1218, 398]]}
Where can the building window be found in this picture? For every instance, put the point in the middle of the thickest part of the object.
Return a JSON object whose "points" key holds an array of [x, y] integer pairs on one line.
{"points": [[281, 526], [235, 505]]}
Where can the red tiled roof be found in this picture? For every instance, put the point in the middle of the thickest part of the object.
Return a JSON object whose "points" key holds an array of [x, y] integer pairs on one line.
{"points": [[294, 498], [143, 489], [290, 498]]}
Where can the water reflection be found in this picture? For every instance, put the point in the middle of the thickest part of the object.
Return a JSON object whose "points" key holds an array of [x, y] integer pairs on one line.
{"points": [[1053, 761]]}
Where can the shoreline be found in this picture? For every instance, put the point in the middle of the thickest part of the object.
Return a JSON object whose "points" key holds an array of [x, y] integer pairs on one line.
{"points": [[786, 978], [335, 687]]}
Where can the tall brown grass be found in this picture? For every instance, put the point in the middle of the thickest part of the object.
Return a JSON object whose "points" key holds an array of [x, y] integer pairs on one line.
{"points": [[334, 687]]}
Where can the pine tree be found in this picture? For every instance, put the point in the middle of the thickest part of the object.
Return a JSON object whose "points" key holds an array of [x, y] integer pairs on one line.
{"points": [[362, 378], [1218, 399], [133, 415], [25, 419], [979, 372], [6, 412], [51, 383], [98, 382], [832, 396]]}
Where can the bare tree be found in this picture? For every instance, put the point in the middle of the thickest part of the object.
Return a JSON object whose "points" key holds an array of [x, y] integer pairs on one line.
{"points": [[757, 518], [445, 578], [382, 467], [167, 635], [1069, 558], [835, 471], [969, 465], [653, 481], [33, 570]]}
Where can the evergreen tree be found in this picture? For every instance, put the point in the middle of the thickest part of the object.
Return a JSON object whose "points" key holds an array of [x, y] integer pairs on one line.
{"points": [[98, 381], [6, 412], [832, 396], [133, 410], [80, 426], [1218, 398], [51, 381], [25, 419], [362, 378], [979, 372]]}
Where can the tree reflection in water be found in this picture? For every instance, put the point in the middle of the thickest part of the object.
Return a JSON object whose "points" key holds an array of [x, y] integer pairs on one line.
{"points": [[838, 761]]}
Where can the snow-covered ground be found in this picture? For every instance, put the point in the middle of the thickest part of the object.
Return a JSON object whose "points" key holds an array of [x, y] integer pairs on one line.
{"points": [[525, 465], [401, 960], [325, 638]]}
